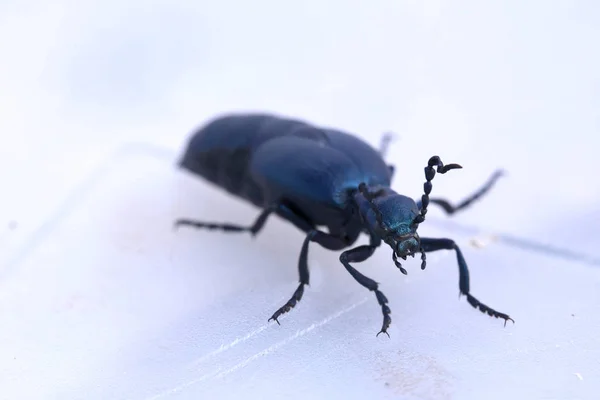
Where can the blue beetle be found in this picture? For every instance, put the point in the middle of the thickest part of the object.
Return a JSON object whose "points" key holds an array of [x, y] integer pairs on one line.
{"points": [[320, 177]]}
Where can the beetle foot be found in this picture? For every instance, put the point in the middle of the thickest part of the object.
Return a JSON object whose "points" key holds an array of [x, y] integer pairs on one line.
{"points": [[387, 320], [288, 306], [296, 297], [385, 310], [487, 310]]}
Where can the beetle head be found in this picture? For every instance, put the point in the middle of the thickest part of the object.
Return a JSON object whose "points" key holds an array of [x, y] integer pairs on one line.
{"points": [[393, 218], [393, 223]]}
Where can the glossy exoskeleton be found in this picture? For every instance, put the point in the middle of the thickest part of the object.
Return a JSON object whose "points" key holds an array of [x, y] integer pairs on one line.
{"points": [[318, 177]]}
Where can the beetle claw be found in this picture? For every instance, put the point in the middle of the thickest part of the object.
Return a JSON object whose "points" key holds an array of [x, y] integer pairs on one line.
{"points": [[382, 331], [387, 320], [290, 304]]}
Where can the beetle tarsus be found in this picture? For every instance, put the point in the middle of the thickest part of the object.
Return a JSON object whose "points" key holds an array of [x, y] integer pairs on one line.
{"points": [[254, 229], [387, 320], [291, 303], [487, 310], [210, 225]]}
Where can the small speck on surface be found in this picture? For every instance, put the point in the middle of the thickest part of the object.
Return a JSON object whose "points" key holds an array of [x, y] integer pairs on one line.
{"points": [[482, 241]]}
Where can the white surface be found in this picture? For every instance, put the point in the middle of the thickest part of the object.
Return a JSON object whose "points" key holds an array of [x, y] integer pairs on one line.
{"points": [[134, 310], [100, 299]]}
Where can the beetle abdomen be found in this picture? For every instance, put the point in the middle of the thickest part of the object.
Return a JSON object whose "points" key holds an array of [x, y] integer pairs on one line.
{"points": [[221, 150]]}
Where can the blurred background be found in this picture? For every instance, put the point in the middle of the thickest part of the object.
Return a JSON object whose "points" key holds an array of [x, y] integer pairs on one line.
{"points": [[100, 299]]}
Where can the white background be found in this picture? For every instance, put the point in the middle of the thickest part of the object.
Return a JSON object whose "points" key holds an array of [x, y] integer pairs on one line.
{"points": [[99, 298]]}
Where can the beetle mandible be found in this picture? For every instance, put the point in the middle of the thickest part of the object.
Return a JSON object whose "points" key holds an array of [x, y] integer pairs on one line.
{"points": [[320, 177]]}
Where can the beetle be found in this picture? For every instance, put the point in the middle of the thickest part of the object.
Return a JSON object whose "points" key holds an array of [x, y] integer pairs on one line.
{"points": [[317, 177]]}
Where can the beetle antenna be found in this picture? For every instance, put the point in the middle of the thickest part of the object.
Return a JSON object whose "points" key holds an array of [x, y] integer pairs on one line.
{"points": [[429, 174], [434, 161], [423, 258], [364, 190]]}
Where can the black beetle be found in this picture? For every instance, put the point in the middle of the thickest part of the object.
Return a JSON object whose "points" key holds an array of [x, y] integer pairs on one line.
{"points": [[314, 177]]}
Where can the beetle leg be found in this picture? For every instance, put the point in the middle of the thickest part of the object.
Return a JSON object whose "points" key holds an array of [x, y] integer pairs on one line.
{"points": [[326, 240], [384, 143], [360, 254], [430, 245], [256, 226], [392, 169], [253, 229], [450, 209]]}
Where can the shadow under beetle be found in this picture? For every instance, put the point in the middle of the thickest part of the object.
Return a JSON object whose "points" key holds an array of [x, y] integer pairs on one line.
{"points": [[320, 177]]}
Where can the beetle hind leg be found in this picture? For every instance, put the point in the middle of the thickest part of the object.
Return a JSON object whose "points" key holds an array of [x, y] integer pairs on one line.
{"points": [[281, 207], [384, 143], [258, 224]]}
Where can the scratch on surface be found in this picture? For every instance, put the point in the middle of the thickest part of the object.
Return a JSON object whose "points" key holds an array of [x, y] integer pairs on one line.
{"points": [[436, 257], [225, 347], [482, 241], [218, 374], [298, 334]]}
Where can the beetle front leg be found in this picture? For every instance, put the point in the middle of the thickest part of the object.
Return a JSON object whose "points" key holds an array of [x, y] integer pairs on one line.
{"points": [[326, 240], [430, 245], [451, 209], [360, 254]]}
